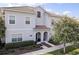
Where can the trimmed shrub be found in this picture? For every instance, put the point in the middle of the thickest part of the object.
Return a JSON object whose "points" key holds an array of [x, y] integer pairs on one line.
{"points": [[19, 44], [53, 42]]}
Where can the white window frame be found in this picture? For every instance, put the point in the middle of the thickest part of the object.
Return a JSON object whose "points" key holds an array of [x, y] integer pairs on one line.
{"points": [[11, 18], [16, 38], [38, 14]]}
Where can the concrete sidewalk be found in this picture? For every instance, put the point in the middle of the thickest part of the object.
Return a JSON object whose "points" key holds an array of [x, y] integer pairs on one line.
{"points": [[43, 51]]}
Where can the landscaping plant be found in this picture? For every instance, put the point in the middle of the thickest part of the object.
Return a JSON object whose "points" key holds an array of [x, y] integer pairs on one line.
{"points": [[66, 30], [2, 29]]}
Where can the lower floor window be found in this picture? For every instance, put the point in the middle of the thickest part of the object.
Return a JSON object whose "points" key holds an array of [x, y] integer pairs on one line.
{"points": [[16, 38]]}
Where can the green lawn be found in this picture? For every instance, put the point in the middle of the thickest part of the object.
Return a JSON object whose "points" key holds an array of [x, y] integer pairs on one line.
{"points": [[74, 52], [70, 50]]}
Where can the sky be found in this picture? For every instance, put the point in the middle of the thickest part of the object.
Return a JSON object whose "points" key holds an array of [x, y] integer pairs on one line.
{"points": [[71, 9]]}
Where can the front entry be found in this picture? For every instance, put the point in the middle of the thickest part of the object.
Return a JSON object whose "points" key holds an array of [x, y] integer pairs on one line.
{"points": [[45, 36], [38, 37]]}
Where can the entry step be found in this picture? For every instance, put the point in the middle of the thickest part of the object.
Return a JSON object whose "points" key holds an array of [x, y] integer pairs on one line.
{"points": [[47, 45]]}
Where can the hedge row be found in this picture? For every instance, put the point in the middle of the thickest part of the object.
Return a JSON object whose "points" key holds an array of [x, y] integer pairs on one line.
{"points": [[19, 44]]}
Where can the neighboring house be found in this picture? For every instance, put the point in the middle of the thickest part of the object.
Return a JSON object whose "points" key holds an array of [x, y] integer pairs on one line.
{"points": [[26, 23]]}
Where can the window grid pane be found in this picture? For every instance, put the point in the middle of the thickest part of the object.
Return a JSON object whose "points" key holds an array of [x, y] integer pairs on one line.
{"points": [[27, 20], [14, 40], [12, 17], [19, 39], [12, 21]]}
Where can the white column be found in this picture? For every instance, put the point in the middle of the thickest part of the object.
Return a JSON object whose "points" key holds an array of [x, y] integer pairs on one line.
{"points": [[41, 36], [48, 36], [34, 36]]}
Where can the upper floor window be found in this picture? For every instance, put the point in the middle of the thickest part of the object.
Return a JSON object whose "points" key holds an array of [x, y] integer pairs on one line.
{"points": [[38, 14], [11, 19], [27, 21]]}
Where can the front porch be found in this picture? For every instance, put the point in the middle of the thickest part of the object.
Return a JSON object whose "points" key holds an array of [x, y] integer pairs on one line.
{"points": [[42, 34]]}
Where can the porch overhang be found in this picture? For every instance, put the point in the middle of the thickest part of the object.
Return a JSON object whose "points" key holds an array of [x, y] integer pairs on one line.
{"points": [[41, 27]]}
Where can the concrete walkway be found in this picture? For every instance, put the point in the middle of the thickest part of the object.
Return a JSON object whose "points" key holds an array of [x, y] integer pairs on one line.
{"points": [[44, 47], [43, 51]]}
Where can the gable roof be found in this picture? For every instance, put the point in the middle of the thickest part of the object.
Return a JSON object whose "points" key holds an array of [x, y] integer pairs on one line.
{"points": [[27, 9], [49, 13]]}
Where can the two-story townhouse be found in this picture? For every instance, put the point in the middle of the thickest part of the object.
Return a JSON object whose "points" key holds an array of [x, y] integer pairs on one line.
{"points": [[26, 23]]}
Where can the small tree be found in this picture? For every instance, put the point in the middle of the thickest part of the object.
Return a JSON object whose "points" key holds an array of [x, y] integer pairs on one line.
{"points": [[2, 28], [75, 33], [65, 29]]}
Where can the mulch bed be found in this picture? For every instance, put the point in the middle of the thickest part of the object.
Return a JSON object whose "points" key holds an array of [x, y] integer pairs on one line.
{"points": [[20, 50]]}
